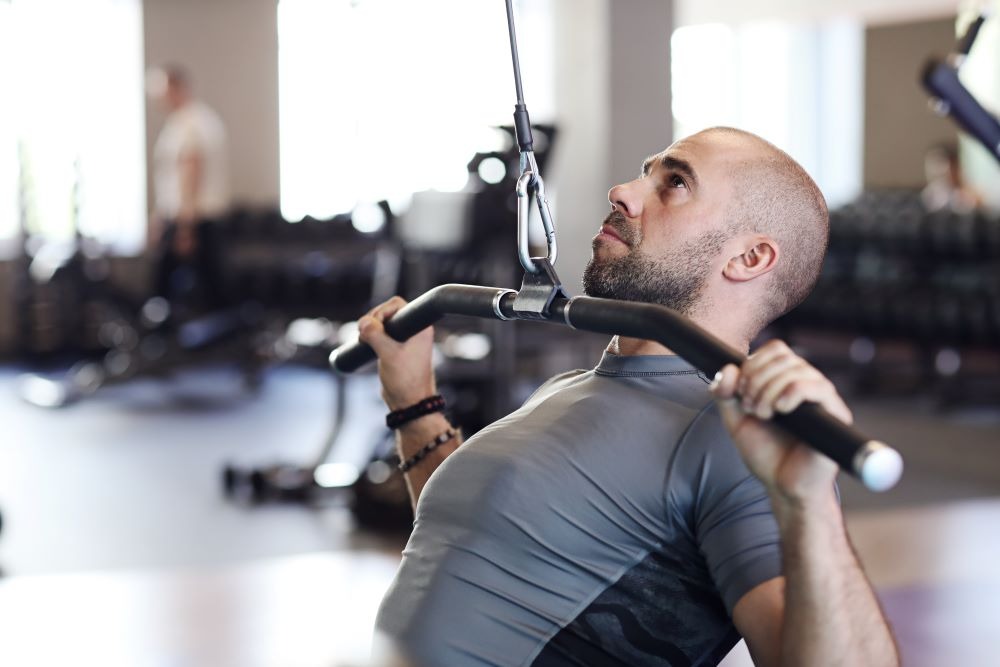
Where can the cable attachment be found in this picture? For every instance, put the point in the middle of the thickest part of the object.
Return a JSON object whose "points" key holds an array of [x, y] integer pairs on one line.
{"points": [[530, 186]]}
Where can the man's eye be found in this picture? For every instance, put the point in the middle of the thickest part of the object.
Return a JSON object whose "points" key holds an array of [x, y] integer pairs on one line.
{"points": [[677, 182]]}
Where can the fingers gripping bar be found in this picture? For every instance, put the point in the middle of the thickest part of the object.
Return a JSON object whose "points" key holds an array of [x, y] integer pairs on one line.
{"points": [[877, 465]]}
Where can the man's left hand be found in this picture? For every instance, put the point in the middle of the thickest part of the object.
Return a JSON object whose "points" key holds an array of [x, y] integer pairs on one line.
{"points": [[776, 380]]}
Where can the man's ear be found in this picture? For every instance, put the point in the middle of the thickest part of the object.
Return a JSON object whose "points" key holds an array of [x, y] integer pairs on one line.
{"points": [[759, 257]]}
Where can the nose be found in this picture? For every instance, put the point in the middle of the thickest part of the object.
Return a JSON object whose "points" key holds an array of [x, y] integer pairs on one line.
{"points": [[626, 199]]}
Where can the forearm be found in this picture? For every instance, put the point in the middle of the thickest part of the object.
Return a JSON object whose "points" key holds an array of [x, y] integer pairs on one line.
{"points": [[412, 437], [832, 616]]}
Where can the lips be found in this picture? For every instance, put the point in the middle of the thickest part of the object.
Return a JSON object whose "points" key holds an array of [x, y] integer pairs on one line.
{"points": [[608, 230], [617, 227]]}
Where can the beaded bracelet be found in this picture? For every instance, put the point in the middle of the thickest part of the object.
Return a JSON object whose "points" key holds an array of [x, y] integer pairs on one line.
{"points": [[431, 404], [427, 449]]}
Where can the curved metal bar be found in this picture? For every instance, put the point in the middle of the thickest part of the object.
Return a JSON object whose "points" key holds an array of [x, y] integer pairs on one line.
{"points": [[878, 466]]}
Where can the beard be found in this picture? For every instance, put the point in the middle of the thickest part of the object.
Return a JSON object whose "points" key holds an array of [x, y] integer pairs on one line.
{"points": [[675, 279]]}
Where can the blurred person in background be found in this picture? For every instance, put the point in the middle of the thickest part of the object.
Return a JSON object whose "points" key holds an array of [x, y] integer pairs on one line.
{"points": [[191, 188], [946, 188]]}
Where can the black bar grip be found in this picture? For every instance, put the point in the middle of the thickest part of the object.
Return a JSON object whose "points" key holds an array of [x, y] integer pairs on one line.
{"points": [[645, 320], [877, 465], [425, 310], [941, 80]]}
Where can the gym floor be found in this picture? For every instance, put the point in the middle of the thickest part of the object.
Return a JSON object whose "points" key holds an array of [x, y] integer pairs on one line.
{"points": [[118, 547]]}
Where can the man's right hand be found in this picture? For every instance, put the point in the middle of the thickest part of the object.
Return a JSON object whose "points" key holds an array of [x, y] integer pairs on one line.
{"points": [[405, 369]]}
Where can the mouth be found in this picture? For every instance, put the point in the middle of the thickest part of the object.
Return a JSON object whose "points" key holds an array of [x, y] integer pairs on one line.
{"points": [[616, 228], [608, 232]]}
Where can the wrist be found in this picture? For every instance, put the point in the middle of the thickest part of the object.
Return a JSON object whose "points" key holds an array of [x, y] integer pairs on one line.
{"points": [[423, 425], [402, 400], [411, 437], [425, 406], [816, 508]]}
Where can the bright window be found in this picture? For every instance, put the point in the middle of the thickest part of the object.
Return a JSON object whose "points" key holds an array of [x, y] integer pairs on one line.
{"points": [[8, 138], [383, 98], [72, 154], [799, 86]]}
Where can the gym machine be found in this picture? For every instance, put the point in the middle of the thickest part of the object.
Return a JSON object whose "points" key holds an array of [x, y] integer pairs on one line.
{"points": [[478, 388], [542, 299], [950, 97], [282, 273]]}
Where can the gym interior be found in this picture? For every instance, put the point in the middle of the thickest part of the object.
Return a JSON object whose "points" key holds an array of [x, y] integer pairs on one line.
{"points": [[185, 480]]}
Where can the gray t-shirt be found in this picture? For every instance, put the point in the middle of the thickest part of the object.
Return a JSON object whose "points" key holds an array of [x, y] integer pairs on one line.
{"points": [[608, 521]]}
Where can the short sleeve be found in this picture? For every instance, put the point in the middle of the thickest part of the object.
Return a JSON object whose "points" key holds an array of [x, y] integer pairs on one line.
{"points": [[733, 523]]}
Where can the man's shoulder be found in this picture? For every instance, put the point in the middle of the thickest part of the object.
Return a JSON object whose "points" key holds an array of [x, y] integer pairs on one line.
{"points": [[706, 434], [557, 382], [706, 460]]}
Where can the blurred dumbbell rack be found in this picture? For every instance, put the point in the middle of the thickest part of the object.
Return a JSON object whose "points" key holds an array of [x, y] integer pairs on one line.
{"points": [[914, 294]]}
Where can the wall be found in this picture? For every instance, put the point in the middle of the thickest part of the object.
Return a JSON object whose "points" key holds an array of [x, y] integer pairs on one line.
{"points": [[899, 126], [612, 95], [612, 81], [641, 118], [613, 106], [230, 48]]}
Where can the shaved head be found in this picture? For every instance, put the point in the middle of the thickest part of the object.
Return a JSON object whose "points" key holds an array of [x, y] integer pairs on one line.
{"points": [[773, 195], [722, 226]]}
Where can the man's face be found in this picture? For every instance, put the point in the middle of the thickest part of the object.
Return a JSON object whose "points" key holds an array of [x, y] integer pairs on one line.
{"points": [[663, 240]]}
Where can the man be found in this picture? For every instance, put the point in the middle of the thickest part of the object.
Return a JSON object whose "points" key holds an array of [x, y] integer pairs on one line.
{"points": [[610, 520], [190, 164]]}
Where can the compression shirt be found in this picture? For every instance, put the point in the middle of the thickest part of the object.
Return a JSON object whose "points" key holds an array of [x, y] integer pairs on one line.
{"points": [[608, 521]]}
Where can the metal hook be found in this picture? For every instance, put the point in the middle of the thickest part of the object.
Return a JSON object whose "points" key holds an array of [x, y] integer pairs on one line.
{"points": [[530, 185]]}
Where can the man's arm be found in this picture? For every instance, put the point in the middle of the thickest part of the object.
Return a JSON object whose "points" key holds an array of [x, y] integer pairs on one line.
{"points": [[189, 170], [823, 611], [407, 377]]}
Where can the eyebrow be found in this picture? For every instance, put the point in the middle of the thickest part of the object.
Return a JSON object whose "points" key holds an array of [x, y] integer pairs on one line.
{"points": [[672, 164]]}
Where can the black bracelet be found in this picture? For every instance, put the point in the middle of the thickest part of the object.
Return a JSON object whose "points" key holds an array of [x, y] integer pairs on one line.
{"points": [[429, 405], [427, 449]]}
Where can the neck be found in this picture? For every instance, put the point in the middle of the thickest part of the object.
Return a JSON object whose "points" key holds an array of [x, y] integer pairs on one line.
{"points": [[180, 103], [628, 347]]}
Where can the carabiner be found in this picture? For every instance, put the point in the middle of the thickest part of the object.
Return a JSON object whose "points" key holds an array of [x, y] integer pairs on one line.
{"points": [[530, 184]]}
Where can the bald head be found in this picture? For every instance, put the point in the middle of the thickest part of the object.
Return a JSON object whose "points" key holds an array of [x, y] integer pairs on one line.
{"points": [[773, 195]]}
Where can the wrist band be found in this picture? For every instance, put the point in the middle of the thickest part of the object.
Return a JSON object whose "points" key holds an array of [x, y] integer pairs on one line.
{"points": [[427, 449], [429, 405]]}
